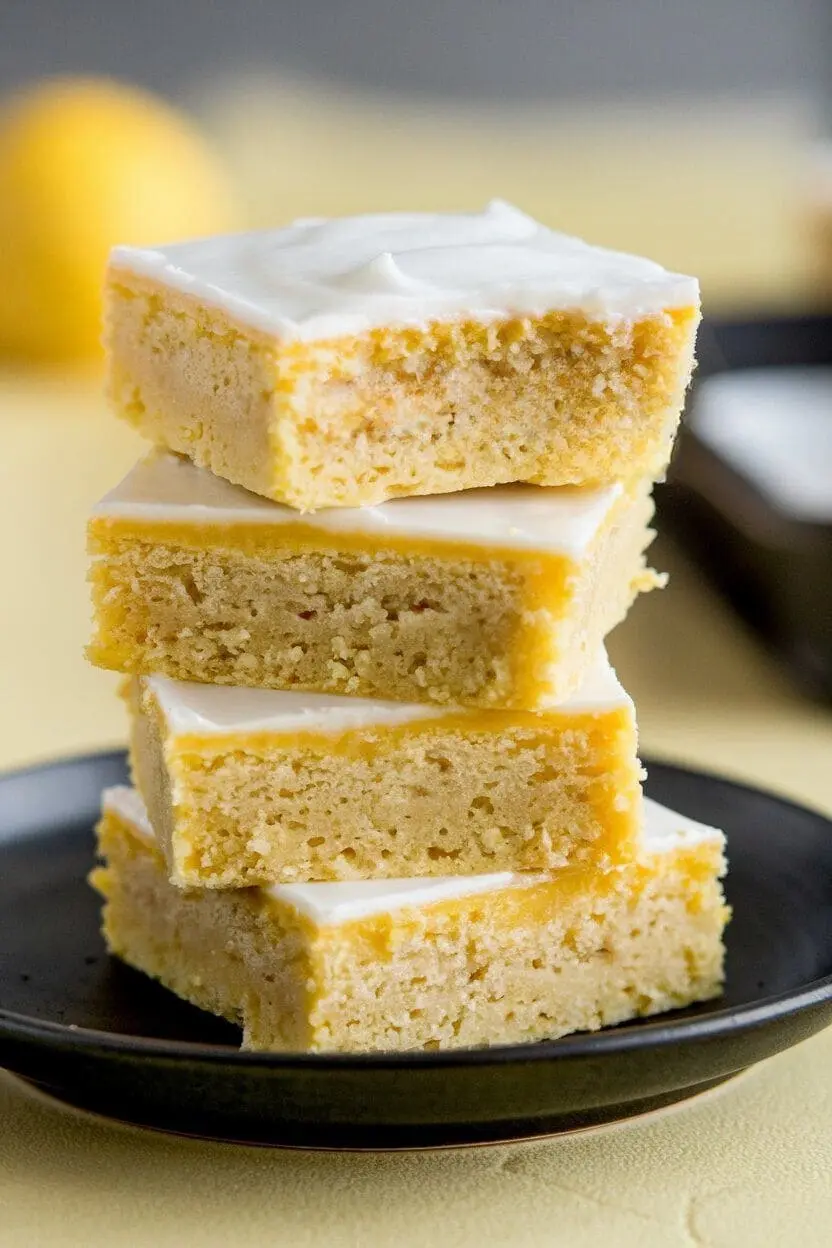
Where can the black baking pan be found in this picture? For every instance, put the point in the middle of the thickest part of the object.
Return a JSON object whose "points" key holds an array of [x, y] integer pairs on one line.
{"points": [[773, 567]]}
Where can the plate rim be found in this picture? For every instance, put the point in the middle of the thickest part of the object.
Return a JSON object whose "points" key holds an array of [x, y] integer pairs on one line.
{"points": [[658, 1033], [695, 1094]]}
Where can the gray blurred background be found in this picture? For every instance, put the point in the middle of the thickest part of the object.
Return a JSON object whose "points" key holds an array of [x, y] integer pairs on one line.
{"points": [[485, 49]]}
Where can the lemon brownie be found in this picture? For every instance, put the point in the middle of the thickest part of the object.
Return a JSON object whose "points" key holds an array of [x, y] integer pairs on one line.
{"points": [[487, 597], [345, 362], [425, 964], [250, 786]]}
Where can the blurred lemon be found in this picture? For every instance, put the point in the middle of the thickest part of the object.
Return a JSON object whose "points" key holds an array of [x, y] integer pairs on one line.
{"points": [[84, 164]]}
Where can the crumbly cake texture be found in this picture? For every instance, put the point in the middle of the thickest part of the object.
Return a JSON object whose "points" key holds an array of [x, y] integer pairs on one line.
{"points": [[228, 589], [253, 787], [341, 363], [415, 965]]}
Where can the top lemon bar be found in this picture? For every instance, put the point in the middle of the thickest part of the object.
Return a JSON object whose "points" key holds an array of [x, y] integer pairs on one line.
{"points": [[338, 363]]}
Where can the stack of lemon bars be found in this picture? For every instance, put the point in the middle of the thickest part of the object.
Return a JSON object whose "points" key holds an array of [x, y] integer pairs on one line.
{"points": [[387, 792]]}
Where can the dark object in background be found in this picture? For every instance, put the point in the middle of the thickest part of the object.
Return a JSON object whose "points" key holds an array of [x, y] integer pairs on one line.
{"points": [[772, 563], [96, 1034]]}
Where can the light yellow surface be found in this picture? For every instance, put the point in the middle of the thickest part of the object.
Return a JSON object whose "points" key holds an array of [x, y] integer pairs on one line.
{"points": [[749, 1167]]}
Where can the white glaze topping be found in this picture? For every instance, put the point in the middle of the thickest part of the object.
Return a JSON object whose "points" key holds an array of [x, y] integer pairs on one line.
{"points": [[328, 904], [664, 830], [209, 710], [320, 279], [563, 519], [128, 805], [774, 426], [331, 903]]}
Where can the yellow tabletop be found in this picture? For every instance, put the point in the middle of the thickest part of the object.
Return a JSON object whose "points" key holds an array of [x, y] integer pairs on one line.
{"points": [[749, 1165]]}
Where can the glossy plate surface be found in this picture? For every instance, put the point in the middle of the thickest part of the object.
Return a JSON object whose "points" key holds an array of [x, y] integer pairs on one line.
{"points": [[103, 1037]]}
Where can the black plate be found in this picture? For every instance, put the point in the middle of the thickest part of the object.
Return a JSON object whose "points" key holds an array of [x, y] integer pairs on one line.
{"points": [[100, 1036], [774, 570]]}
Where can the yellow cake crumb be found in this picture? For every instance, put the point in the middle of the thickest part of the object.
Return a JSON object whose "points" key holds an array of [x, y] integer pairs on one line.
{"points": [[560, 399]]}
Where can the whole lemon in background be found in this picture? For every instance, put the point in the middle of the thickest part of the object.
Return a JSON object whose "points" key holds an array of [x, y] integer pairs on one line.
{"points": [[85, 164]]}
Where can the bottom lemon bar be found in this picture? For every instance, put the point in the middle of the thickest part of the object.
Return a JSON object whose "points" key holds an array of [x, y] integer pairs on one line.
{"points": [[425, 963]]}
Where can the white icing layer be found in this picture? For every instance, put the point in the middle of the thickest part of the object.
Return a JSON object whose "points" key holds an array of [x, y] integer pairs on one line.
{"points": [[774, 425], [329, 904], [128, 805], [209, 710], [664, 830], [163, 487], [319, 279]]}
